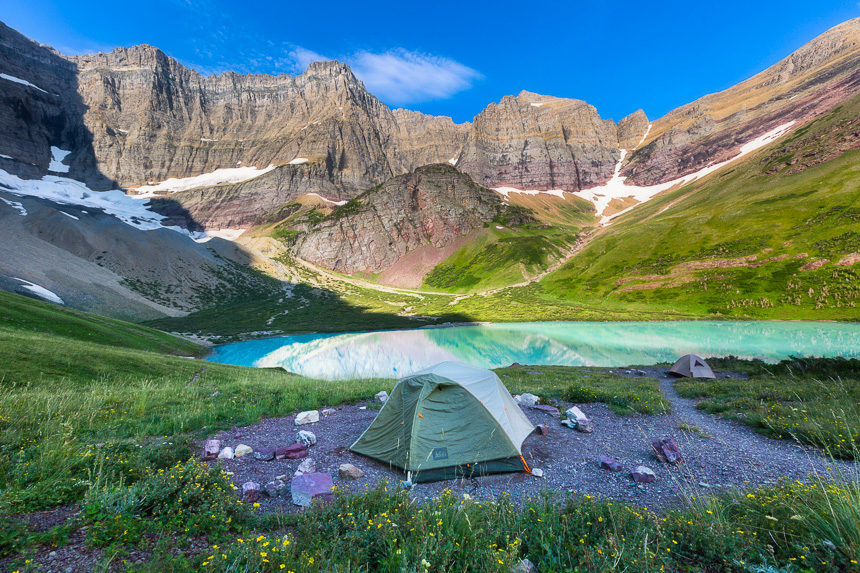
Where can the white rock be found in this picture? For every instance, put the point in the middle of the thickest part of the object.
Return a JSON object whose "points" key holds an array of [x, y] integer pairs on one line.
{"points": [[382, 397], [306, 437], [349, 472], [574, 413], [242, 450], [308, 466], [327, 411], [537, 472], [527, 399], [226, 454], [308, 417]]}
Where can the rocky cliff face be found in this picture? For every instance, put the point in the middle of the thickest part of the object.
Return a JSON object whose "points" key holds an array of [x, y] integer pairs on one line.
{"points": [[814, 79], [434, 205], [540, 142]]}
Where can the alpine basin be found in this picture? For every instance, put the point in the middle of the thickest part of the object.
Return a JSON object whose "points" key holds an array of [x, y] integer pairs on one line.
{"points": [[396, 353]]}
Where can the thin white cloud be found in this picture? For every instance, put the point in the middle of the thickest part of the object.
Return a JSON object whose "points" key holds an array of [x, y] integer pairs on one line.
{"points": [[400, 76], [301, 57]]}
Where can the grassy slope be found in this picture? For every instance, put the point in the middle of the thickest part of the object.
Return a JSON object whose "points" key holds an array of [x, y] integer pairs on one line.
{"points": [[751, 209]]}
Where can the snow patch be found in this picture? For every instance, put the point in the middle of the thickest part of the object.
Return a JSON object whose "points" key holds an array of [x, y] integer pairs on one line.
{"points": [[505, 191], [224, 175], [6, 157], [299, 161], [40, 291], [65, 191], [228, 234], [615, 188], [453, 161], [644, 135], [15, 205], [20, 81], [207, 139], [68, 215], [538, 104], [318, 196], [57, 157], [499, 227]]}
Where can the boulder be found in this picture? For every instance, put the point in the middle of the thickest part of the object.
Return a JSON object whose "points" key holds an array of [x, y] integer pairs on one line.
{"points": [[307, 417], [584, 426], [308, 466], [226, 454], [307, 438], [251, 491], [275, 488], [527, 399], [667, 451], [264, 455], [349, 472], [524, 566], [327, 411], [307, 487], [541, 429], [242, 450], [611, 464], [569, 423], [292, 452], [574, 413], [643, 474], [211, 449], [382, 397], [551, 410]]}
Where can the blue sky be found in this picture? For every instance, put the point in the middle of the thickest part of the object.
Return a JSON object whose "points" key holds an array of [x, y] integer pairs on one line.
{"points": [[453, 58]]}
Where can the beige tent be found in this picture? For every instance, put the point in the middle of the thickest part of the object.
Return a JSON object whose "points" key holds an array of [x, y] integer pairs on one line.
{"points": [[692, 366]]}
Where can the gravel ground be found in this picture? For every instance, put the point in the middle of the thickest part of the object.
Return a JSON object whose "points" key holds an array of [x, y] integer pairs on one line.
{"points": [[732, 456]]}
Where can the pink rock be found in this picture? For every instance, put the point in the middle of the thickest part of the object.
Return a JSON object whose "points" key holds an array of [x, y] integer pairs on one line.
{"points": [[551, 410], [643, 474], [251, 491], [211, 449], [542, 429], [667, 450], [307, 487], [292, 452], [611, 464]]}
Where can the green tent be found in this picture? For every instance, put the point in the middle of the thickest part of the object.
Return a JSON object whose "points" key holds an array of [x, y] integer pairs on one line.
{"points": [[450, 420]]}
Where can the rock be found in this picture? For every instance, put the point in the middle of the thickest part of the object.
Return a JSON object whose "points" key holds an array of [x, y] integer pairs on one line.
{"points": [[381, 397], [542, 429], [251, 491], [537, 472], [643, 474], [242, 450], [574, 413], [527, 399], [611, 464], [282, 477], [327, 411], [524, 566], [306, 437], [569, 423], [349, 472], [211, 449], [308, 466], [362, 407], [667, 450], [307, 487], [551, 410], [275, 488], [513, 364], [226, 454], [308, 417], [264, 455], [292, 452], [584, 426], [704, 484]]}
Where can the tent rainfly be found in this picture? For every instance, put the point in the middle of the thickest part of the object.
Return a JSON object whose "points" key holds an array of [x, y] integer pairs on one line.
{"points": [[691, 366], [447, 421]]}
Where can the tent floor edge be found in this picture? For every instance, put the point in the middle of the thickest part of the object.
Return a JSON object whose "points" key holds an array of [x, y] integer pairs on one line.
{"points": [[469, 471]]}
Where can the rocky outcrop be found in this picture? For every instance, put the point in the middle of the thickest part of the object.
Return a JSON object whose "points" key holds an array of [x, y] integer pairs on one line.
{"points": [[433, 205], [540, 142], [632, 129], [814, 79]]}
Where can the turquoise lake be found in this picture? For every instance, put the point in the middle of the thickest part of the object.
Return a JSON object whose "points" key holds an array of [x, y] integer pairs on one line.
{"points": [[396, 353]]}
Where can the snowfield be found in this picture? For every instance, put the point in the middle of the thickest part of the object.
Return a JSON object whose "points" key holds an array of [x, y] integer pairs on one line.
{"points": [[299, 161], [20, 81], [15, 205], [217, 177], [40, 291], [57, 157], [318, 196]]}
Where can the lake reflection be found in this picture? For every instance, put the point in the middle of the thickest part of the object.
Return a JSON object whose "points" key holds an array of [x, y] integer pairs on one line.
{"points": [[392, 354]]}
